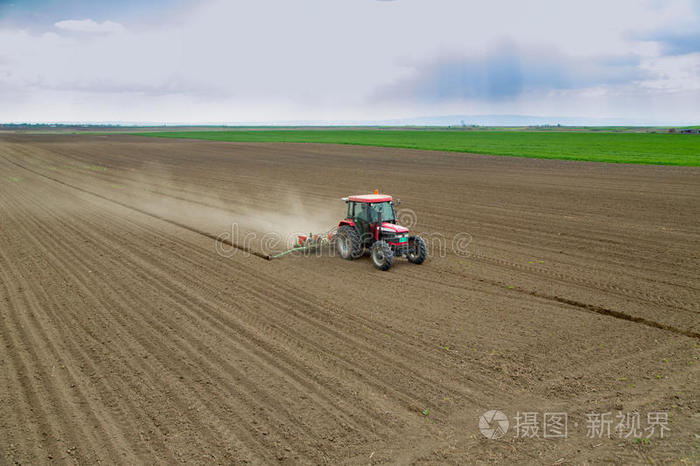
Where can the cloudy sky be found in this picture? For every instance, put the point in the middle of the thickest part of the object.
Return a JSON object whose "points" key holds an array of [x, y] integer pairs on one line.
{"points": [[213, 61]]}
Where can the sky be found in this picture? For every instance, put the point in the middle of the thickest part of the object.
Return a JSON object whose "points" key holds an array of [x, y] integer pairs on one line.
{"points": [[340, 61]]}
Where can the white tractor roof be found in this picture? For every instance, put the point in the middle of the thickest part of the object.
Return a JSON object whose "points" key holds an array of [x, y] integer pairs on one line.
{"points": [[369, 198]]}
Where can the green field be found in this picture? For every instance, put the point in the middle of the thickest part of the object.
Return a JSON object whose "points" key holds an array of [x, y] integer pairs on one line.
{"points": [[641, 148]]}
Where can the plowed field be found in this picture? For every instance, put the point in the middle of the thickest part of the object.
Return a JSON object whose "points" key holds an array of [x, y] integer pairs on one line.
{"points": [[128, 334]]}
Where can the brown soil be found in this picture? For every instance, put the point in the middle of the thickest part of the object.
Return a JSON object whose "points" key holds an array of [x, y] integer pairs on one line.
{"points": [[126, 337]]}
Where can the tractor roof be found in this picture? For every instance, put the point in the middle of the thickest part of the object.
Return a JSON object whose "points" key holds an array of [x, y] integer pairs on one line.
{"points": [[369, 198]]}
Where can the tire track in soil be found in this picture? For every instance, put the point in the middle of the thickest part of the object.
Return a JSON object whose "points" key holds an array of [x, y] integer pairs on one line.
{"points": [[494, 227], [78, 232], [178, 224], [77, 259], [76, 321], [198, 396], [36, 335], [600, 310], [72, 323], [137, 266], [262, 323], [339, 319], [40, 345], [44, 393], [192, 302], [620, 291], [567, 278], [579, 266], [590, 307], [29, 397], [263, 293]]}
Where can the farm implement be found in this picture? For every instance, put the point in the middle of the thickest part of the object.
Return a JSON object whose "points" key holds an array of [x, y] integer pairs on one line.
{"points": [[308, 243]]}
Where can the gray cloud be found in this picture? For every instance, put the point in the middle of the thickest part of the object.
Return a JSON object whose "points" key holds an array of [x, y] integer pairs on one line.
{"points": [[676, 43], [88, 25], [508, 72], [681, 37], [231, 60], [169, 86]]}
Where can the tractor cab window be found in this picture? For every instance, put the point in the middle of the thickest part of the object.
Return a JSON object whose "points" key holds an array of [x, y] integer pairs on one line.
{"points": [[368, 213], [362, 212], [386, 210]]}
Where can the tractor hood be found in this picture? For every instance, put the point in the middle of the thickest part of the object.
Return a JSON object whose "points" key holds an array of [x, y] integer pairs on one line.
{"points": [[393, 228]]}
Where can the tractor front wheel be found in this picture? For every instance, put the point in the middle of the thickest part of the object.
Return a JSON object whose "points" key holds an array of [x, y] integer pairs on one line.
{"points": [[417, 252], [348, 243], [382, 255]]}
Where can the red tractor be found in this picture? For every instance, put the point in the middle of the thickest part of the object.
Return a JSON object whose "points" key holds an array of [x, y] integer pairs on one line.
{"points": [[371, 224]]}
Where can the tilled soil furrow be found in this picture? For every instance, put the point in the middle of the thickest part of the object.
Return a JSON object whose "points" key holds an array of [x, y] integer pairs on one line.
{"points": [[127, 303], [587, 238], [594, 308], [175, 353], [34, 433], [264, 294], [325, 313], [190, 304], [640, 295], [601, 253], [73, 386], [137, 266], [164, 219], [317, 316], [127, 309], [65, 259], [144, 277], [662, 299], [269, 324], [47, 393]]}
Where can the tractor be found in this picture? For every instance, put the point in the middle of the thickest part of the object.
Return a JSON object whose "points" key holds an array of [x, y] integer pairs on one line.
{"points": [[370, 224]]}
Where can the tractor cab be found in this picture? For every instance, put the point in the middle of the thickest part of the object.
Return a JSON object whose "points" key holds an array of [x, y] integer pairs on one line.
{"points": [[366, 211], [370, 223]]}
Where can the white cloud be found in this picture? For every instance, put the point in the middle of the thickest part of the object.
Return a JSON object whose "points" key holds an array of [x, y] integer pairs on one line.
{"points": [[237, 60], [88, 25]]}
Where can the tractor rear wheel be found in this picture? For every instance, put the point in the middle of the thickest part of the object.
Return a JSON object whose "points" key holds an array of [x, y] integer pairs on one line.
{"points": [[348, 243], [382, 255], [417, 252]]}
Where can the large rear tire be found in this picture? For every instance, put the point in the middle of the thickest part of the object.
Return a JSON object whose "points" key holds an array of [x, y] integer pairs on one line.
{"points": [[417, 252], [348, 244], [382, 255]]}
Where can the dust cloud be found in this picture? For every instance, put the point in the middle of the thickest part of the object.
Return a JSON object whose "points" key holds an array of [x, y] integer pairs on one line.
{"points": [[282, 213]]}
